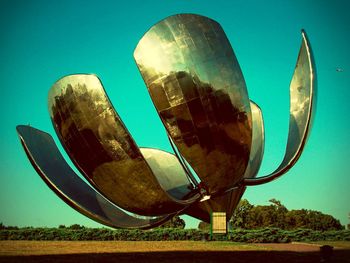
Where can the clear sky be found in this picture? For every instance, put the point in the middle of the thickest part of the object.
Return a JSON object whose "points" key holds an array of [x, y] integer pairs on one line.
{"points": [[40, 41]]}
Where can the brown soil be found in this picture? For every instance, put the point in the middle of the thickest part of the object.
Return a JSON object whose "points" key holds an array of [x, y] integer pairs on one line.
{"points": [[166, 251]]}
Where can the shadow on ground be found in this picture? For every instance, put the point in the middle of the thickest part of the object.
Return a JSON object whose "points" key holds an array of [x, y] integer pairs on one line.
{"points": [[338, 256]]}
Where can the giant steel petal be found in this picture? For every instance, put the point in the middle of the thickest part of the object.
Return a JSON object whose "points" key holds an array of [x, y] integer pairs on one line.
{"points": [[258, 142], [198, 89], [302, 107], [101, 147], [255, 158], [227, 201], [56, 173], [169, 172]]}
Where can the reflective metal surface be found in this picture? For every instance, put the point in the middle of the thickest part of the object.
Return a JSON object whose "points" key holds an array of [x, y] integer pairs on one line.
{"points": [[197, 87], [302, 100], [53, 169], [168, 171], [258, 142], [101, 147], [228, 201], [198, 90]]}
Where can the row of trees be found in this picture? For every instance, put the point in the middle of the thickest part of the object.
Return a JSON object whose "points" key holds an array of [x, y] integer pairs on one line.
{"points": [[248, 216]]}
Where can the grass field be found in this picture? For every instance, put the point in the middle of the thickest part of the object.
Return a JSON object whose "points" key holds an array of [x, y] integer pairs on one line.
{"points": [[166, 251]]}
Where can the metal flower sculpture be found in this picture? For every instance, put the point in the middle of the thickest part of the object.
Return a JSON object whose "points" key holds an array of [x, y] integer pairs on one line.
{"points": [[217, 133]]}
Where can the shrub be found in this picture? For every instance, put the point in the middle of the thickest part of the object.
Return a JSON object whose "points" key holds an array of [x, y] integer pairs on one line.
{"points": [[265, 235]]}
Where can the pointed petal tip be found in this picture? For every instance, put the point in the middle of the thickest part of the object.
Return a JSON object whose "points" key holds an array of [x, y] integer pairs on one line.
{"points": [[304, 35], [20, 128], [256, 105]]}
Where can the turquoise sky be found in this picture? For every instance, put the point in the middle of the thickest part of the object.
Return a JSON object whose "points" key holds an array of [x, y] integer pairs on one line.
{"points": [[40, 41]]}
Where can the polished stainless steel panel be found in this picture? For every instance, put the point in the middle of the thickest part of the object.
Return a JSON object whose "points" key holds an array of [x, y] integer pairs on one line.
{"points": [[56, 173], [101, 147], [168, 171], [228, 201], [302, 105], [258, 142], [198, 89]]}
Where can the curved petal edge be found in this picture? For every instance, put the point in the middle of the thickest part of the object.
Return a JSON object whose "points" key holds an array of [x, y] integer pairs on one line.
{"points": [[302, 110], [45, 157], [101, 147]]}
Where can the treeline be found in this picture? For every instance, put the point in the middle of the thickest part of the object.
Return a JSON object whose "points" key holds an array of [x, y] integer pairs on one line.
{"points": [[265, 235], [248, 216]]}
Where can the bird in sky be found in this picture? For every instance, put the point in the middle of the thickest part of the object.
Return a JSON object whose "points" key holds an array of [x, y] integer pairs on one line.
{"points": [[339, 69]]}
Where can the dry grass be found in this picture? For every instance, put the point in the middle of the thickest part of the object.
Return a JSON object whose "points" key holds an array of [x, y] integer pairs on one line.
{"points": [[15, 248]]}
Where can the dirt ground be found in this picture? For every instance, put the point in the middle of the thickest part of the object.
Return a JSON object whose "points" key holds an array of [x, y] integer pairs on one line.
{"points": [[166, 251]]}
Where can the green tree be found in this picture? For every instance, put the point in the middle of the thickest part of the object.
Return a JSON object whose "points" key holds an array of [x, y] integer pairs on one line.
{"points": [[175, 222], [311, 219], [248, 216], [76, 227], [296, 219], [241, 213], [279, 212], [260, 216], [276, 202]]}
